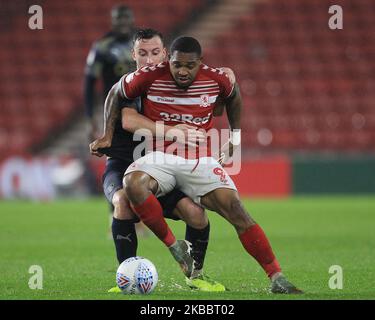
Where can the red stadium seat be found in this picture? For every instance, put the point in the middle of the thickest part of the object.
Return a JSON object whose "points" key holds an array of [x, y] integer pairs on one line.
{"points": [[305, 80], [312, 87]]}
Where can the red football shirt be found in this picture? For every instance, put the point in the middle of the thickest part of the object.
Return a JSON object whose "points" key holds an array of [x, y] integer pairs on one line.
{"points": [[164, 101]]}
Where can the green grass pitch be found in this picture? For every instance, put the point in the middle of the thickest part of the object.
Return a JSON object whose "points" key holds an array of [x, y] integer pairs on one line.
{"points": [[69, 240]]}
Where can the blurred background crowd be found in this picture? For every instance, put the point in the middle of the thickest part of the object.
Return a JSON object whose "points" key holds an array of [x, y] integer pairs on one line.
{"points": [[308, 91]]}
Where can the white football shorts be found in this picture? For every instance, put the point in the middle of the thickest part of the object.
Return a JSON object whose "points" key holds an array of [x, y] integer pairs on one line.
{"points": [[194, 177]]}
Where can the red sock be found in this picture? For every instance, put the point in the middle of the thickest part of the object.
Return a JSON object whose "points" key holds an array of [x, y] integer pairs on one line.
{"points": [[257, 245], [151, 213]]}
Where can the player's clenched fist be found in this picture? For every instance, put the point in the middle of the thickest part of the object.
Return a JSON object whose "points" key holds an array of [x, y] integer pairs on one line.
{"points": [[102, 142]]}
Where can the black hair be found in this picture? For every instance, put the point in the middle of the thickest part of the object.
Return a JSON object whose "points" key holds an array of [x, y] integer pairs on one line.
{"points": [[147, 33], [186, 45], [120, 10]]}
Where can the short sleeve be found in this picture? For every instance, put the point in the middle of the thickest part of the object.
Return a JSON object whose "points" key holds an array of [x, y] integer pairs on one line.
{"points": [[126, 103], [135, 104], [225, 85], [218, 75], [135, 84]]}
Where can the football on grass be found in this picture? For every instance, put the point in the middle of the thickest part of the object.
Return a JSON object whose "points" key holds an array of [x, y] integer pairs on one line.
{"points": [[137, 275]]}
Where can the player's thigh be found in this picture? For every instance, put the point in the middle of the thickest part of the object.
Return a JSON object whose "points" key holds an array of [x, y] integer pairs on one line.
{"points": [[177, 206], [139, 180], [201, 177], [112, 177], [169, 203], [219, 199], [158, 170], [122, 207], [193, 214]]}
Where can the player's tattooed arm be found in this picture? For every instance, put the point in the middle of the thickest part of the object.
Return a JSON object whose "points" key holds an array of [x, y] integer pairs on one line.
{"points": [[111, 111], [111, 114]]}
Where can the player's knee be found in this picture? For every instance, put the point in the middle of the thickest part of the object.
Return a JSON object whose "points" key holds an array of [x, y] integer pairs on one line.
{"points": [[136, 186], [132, 186], [118, 199], [198, 218], [123, 213], [192, 214], [121, 204]]}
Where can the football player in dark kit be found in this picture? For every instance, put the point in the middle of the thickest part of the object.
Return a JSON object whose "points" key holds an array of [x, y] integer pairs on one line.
{"points": [[109, 59], [118, 145]]}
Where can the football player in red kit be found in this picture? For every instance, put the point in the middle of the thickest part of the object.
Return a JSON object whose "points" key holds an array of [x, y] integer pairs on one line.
{"points": [[184, 90]]}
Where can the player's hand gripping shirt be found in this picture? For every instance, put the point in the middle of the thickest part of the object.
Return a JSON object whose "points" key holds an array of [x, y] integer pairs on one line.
{"points": [[164, 101]]}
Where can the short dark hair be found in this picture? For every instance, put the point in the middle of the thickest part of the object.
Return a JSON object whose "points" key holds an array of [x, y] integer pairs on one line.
{"points": [[148, 33], [187, 45], [120, 10]]}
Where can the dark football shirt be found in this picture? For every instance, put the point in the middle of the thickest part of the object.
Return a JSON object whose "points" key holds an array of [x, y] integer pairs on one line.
{"points": [[110, 58], [123, 142]]}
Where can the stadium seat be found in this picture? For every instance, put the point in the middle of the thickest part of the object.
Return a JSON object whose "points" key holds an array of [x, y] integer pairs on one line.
{"points": [[49, 64], [304, 82]]}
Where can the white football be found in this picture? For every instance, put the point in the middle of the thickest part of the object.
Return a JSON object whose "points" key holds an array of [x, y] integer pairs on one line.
{"points": [[137, 275]]}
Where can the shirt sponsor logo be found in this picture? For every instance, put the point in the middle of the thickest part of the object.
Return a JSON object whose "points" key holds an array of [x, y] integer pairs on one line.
{"points": [[221, 173], [187, 101], [161, 99], [187, 118]]}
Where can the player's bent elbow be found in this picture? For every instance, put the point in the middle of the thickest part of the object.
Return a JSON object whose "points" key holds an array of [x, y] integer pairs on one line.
{"points": [[126, 125]]}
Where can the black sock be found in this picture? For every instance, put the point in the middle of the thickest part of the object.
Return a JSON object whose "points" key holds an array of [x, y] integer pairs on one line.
{"points": [[125, 239], [199, 240]]}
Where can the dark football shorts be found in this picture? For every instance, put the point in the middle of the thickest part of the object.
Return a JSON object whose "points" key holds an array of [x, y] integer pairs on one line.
{"points": [[112, 182]]}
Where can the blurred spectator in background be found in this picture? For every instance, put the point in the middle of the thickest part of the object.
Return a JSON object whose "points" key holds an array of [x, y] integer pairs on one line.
{"points": [[109, 59]]}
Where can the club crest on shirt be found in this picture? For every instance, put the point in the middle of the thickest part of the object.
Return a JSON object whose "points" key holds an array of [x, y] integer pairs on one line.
{"points": [[205, 100]]}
